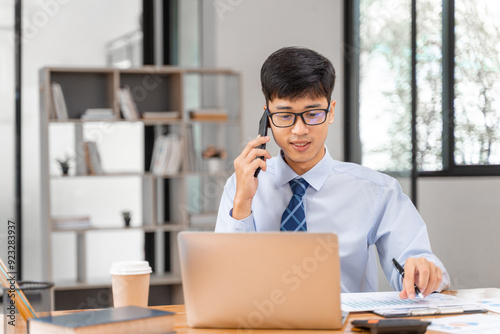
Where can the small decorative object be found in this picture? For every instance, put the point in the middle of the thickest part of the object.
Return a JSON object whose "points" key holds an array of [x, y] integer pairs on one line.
{"points": [[127, 216], [64, 164], [215, 158]]}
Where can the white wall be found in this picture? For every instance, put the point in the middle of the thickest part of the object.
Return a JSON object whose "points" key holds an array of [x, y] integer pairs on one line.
{"points": [[247, 32], [463, 219]]}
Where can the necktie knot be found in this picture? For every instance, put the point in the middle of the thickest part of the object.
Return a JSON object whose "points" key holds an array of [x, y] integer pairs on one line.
{"points": [[299, 186]]}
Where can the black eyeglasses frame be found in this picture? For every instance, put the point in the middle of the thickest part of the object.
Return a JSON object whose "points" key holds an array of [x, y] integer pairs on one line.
{"points": [[301, 114]]}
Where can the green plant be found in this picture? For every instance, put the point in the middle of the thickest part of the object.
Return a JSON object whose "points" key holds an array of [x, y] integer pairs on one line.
{"points": [[64, 162], [126, 214], [127, 217]]}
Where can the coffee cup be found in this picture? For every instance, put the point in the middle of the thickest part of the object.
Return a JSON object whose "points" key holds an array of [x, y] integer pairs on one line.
{"points": [[130, 283]]}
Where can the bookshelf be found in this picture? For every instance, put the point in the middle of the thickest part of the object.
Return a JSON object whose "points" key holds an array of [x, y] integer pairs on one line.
{"points": [[186, 197]]}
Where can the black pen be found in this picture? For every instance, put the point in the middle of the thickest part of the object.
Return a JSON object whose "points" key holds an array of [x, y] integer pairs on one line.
{"points": [[401, 271]]}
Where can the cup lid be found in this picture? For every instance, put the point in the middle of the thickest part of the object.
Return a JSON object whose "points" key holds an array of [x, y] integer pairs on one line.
{"points": [[130, 268]]}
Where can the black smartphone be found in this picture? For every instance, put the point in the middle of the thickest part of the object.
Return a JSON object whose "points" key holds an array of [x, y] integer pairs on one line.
{"points": [[263, 125]]}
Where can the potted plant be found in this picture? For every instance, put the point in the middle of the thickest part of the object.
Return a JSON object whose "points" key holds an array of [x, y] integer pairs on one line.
{"points": [[127, 216], [64, 163]]}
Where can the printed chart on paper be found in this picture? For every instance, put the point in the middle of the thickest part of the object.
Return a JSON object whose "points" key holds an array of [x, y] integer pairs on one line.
{"points": [[369, 301]]}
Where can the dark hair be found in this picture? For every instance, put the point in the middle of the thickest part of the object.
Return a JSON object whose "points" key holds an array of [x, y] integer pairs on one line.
{"points": [[294, 72]]}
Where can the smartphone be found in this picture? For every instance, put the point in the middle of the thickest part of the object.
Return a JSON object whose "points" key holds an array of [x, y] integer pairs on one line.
{"points": [[263, 125]]}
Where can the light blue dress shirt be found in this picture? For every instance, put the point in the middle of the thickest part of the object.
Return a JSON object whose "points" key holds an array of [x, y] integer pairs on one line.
{"points": [[363, 207]]}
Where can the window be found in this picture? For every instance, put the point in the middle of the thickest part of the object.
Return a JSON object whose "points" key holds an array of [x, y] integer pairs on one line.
{"points": [[423, 80], [477, 82], [384, 84]]}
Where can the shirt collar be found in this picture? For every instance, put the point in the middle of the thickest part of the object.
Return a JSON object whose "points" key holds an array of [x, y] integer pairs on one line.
{"points": [[316, 176]]}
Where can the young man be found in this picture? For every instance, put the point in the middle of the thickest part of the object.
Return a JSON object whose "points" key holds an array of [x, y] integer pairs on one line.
{"points": [[304, 189]]}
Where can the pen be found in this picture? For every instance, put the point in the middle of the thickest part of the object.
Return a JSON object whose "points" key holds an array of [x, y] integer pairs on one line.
{"points": [[401, 271]]}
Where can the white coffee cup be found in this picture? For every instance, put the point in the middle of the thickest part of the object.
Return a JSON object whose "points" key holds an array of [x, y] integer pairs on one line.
{"points": [[130, 283]]}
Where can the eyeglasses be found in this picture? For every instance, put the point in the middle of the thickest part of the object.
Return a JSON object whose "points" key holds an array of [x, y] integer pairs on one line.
{"points": [[309, 117]]}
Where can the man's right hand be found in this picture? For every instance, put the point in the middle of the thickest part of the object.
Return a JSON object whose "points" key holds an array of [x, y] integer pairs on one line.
{"points": [[245, 166]]}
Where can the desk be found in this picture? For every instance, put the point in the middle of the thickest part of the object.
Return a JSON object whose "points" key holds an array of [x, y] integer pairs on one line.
{"points": [[181, 326]]}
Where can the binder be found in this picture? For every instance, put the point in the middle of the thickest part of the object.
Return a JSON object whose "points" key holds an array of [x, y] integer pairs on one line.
{"points": [[429, 311]]}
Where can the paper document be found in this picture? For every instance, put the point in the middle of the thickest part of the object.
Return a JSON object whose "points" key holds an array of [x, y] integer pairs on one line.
{"points": [[370, 301], [470, 324], [491, 304]]}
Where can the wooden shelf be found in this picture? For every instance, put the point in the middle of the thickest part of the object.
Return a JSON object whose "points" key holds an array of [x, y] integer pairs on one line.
{"points": [[160, 122], [168, 176], [132, 174], [160, 198], [215, 121], [121, 174], [144, 121], [146, 228], [222, 173], [167, 279]]}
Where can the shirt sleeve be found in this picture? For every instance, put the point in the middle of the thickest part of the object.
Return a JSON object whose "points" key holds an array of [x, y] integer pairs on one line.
{"points": [[225, 221], [399, 232]]}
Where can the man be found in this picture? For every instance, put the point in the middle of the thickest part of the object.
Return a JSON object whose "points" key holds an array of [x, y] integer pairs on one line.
{"points": [[305, 189]]}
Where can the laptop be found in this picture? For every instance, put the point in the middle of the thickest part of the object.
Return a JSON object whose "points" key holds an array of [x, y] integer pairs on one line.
{"points": [[279, 280]]}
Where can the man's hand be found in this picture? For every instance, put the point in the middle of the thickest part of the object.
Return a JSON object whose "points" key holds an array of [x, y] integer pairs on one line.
{"points": [[245, 166], [425, 274]]}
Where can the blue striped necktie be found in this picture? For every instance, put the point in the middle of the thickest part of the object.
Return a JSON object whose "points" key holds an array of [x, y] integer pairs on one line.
{"points": [[294, 217]]}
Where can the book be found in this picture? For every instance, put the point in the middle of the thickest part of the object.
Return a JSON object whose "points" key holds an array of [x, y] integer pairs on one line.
{"points": [[71, 222], [88, 163], [92, 158], [167, 155], [160, 115], [98, 114], [208, 114], [156, 154], [128, 106], [123, 320], [189, 143], [175, 158], [58, 102], [162, 147]]}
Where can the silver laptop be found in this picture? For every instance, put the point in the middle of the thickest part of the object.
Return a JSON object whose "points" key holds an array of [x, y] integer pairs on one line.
{"points": [[261, 280]]}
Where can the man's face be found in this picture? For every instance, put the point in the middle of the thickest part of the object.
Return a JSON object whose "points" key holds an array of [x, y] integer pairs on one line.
{"points": [[302, 144]]}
